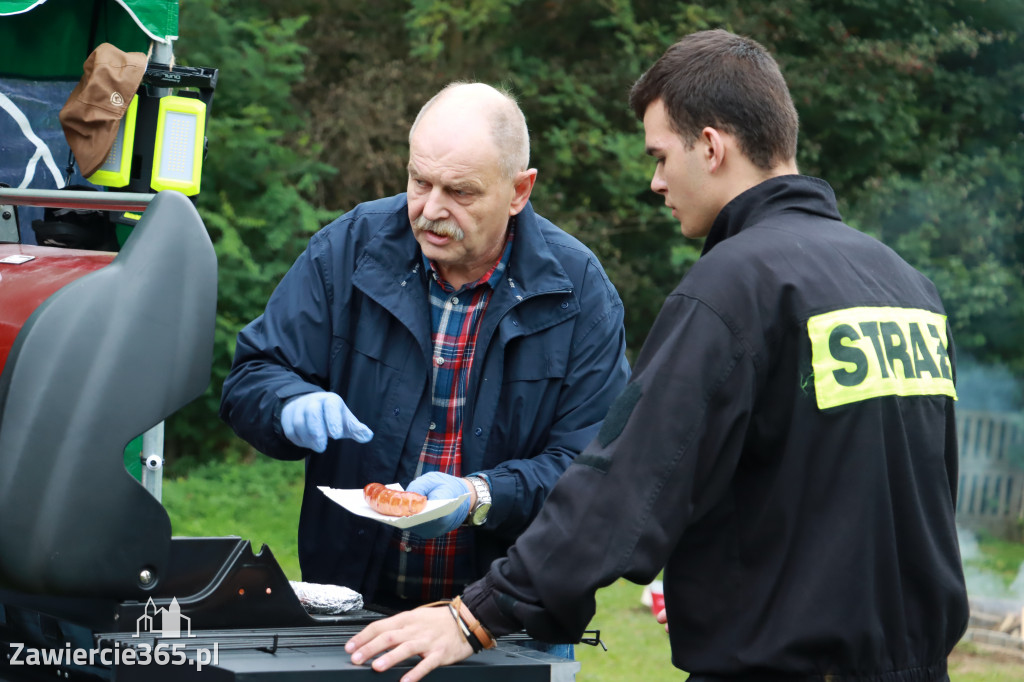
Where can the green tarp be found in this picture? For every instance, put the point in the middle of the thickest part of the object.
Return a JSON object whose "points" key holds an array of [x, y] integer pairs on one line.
{"points": [[50, 39]]}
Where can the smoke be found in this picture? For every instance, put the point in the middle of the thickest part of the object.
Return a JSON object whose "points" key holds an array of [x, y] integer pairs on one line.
{"points": [[982, 584], [994, 389], [989, 388]]}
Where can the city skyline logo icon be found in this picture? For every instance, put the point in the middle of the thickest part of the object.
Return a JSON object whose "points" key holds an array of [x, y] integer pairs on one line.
{"points": [[170, 621]]}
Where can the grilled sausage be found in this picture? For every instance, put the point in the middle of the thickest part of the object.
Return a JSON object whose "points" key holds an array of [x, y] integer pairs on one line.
{"points": [[384, 500]]}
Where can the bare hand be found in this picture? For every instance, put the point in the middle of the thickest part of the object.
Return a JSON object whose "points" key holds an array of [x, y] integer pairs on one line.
{"points": [[431, 633], [662, 617]]}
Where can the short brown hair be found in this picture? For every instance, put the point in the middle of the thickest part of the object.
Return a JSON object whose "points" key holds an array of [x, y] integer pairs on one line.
{"points": [[719, 79]]}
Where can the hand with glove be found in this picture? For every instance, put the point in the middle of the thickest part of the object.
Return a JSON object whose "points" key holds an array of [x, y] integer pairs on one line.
{"points": [[309, 420], [438, 486]]}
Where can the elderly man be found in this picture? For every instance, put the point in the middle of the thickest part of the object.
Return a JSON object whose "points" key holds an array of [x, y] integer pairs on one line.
{"points": [[786, 448], [449, 339]]}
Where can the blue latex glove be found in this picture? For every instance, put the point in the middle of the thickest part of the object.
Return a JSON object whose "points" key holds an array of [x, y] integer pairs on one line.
{"points": [[438, 486], [308, 420]]}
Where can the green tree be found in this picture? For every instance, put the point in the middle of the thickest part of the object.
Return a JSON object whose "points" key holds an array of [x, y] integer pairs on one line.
{"points": [[260, 169], [372, 65], [913, 112], [912, 109], [896, 97]]}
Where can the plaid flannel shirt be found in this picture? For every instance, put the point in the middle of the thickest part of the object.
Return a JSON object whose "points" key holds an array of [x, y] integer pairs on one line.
{"points": [[426, 570]]}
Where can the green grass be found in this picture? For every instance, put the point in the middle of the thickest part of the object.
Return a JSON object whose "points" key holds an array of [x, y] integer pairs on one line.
{"points": [[996, 557], [638, 647], [637, 644], [258, 499], [970, 663]]}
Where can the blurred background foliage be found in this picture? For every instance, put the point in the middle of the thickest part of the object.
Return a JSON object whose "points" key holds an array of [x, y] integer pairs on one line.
{"points": [[912, 109]]}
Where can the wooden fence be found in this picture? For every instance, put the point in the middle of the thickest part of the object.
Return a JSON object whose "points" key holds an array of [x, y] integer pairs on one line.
{"points": [[991, 491]]}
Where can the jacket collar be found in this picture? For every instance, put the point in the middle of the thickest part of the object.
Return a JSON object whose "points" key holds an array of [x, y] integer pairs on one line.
{"points": [[785, 193], [532, 269]]}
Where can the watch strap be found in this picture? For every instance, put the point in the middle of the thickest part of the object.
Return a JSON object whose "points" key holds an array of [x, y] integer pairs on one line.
{"points": [[483, 498]]}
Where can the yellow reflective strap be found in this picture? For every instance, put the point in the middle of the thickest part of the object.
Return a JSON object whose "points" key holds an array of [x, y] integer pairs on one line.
{"points": [[862, 353]]}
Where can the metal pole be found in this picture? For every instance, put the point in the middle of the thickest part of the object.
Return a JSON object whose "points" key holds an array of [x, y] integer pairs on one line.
{"points": [[153, 460], [59, 198], [163, 53], [153, 440]]}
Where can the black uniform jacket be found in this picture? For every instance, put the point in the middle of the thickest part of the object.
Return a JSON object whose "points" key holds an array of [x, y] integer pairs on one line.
{"points": [[786, 450]]}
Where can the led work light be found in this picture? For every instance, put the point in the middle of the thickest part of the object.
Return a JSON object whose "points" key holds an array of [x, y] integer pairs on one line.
{"points": [[116, 170], [178, 153]]}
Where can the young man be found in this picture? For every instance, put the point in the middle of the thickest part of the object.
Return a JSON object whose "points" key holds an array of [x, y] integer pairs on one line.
{"points": [[786, 448], [449, 339]]}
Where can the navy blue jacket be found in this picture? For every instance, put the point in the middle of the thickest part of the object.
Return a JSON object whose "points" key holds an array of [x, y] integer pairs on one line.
{"points": [[352, 316]]}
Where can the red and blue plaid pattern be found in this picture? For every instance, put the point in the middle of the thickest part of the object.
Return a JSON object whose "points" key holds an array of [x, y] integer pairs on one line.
{"points": [[428, 570]]}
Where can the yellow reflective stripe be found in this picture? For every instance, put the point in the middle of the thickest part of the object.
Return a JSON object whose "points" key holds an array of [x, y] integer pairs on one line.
{"points": [[861, 353]]}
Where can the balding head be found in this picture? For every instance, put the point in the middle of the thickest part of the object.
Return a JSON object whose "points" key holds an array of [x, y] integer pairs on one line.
{"points": [[507, 125]]}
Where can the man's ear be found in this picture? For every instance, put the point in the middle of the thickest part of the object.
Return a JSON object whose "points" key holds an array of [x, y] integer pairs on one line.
{"points": [[713, 146], [523, 187]]}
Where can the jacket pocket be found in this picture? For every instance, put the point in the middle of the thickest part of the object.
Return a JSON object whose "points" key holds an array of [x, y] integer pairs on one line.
{"points": [[531, 359], [529, 399], [383, 386]]}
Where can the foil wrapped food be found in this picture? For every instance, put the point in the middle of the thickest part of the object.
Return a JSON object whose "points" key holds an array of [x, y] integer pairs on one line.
{"points": [[326, 599]]}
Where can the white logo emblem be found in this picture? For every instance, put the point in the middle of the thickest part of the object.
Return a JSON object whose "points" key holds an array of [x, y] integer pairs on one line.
{"points": [[170, 621], [116, 99]]}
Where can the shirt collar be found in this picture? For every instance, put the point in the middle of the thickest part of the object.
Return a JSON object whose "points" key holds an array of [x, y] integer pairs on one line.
{"points": [[492, 276]]}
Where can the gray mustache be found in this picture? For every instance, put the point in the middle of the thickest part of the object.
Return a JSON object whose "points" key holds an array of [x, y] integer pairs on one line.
{"points": [[444, 228]]}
